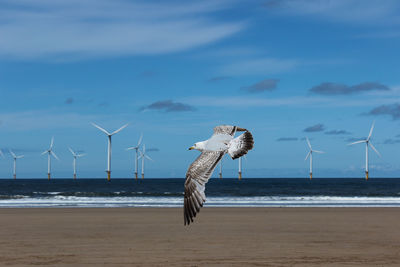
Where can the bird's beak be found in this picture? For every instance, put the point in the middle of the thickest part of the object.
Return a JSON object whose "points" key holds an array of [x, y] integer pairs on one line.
{"points": [[190, 148]]}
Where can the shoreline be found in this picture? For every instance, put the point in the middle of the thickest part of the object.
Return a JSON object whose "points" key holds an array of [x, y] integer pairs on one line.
{"points": [[223, 236]]}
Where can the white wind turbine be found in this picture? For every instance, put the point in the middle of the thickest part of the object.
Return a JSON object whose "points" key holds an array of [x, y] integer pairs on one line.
{"points": [[75, 155], [49, 154], [144, 156], [15, 157], [220, 169], [240, 167], [367, 143], [109, 146], [136, 148], [309, 154]]}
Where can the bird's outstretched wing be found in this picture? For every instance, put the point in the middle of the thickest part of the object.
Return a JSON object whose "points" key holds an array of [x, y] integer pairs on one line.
{"points": [[227, 129], [197, 176], [240, 145]]}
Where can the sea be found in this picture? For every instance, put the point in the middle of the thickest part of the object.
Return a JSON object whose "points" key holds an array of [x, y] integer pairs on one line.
{"points": [[256, 192]]}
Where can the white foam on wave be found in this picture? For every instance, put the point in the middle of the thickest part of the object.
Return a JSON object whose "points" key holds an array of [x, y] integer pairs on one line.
{"points": [[148, 201]]}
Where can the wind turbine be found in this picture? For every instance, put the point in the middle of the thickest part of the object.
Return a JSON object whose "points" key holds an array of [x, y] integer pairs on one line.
{"points": [[49, 154], [240, 168], [136, 148], [367, 143], [309, 154], [220, 169], [75, 155], [15, 157], [144, 156], [109, 146]]}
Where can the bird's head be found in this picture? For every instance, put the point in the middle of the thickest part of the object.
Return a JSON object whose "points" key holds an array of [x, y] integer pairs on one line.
{"points": [[198, 146]]}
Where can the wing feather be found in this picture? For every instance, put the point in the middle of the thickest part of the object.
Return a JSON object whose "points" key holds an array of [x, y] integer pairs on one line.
{"points": [[225, 129], [241, 145], [197, 176]]}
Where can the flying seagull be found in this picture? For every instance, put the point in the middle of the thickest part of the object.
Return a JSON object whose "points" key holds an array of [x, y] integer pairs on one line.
{"points": [[212, 151]]}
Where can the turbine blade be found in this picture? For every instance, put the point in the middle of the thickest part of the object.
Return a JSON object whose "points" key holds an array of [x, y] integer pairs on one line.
{"points": [[147, 157], [12, 153], [45, 152], [52, 142], [357, 142], [140, 154], [101, 129], [1, 153], [370, 131], [308, 154], [308, 143], [54, 155], [120, 129], [140, 140], [379, 154], [20, 157], [81, 155], [131, 148], [317, 151], [73, 153]]}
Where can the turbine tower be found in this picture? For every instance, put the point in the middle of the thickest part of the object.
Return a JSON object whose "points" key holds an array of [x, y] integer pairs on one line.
{"points": [[367, 143], [309, 154], [220, 169], [109, 146], [144, 156], [75, 155], [15, 157], [136, 148], [49, 154], [240, 168]]}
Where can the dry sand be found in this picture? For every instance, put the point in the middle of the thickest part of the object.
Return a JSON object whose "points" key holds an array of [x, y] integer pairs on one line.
{"points": [[219, 237]]}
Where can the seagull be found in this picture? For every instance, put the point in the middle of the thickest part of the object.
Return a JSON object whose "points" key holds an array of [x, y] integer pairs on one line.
{"points": [[212, 151]]}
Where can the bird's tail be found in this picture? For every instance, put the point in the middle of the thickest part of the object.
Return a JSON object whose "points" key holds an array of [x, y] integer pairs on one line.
{"points": [[240, 145]]}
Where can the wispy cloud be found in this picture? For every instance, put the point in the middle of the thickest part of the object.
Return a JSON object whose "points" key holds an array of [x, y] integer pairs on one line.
{"points": [[147, 73], [337, 132], [262, 66], [248, 101], [392, 110], [69, 100], [168, 106], [44, 119], [217, 79], [345, 11], [390, 141], [315, 128], [329, 88], [355, 139], [379, 34], [285, 139], [262, 86], [85, 28]]}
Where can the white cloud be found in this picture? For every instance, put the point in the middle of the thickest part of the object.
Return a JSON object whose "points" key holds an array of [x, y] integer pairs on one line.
{"points": [[369, 12], [367, 100], [88, 28], [43, 119], [263, 66]]}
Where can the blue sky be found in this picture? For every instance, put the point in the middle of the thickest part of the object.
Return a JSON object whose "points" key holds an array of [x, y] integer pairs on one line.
{"points": [[173, 70]]}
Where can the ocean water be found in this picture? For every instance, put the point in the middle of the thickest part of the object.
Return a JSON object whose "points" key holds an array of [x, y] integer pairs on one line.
{"points": [[378, 192]]}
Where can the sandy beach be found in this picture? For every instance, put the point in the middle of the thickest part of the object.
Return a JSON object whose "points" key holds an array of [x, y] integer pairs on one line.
{"points": [[219, 237]]}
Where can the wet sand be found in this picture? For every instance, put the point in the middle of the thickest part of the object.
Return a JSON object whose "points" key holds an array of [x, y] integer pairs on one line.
{"points": [[218, 237]]}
